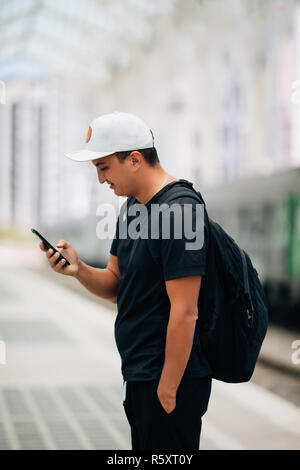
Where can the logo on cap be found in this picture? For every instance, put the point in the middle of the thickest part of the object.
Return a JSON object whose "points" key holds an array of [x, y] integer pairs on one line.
{"points": [[89, 133]]}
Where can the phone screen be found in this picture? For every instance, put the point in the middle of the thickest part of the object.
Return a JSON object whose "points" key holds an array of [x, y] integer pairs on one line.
{"points": [[48, 245]]}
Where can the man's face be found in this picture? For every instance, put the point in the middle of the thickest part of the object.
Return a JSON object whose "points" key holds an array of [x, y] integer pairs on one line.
{"points": [[115, 173]]}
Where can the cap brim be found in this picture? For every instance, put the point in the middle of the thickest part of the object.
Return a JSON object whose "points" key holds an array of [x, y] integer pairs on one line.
{"points": [[86, 155]]}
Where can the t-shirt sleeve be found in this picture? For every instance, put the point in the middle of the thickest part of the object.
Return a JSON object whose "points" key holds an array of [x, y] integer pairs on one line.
{"points": [[114, 245], [182, 255]]}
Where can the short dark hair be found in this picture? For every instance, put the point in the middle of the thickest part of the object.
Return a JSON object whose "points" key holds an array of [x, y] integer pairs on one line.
{"points": [[149, 154]]}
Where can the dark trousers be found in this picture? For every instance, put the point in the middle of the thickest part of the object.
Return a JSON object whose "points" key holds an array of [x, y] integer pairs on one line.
{"points": [[152, 428]]}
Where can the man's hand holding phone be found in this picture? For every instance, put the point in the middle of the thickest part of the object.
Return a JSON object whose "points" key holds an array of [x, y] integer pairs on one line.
{"points": [[67, 250]]}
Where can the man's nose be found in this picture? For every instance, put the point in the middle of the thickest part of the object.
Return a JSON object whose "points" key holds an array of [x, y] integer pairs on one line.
{"points": [[101, 177]]}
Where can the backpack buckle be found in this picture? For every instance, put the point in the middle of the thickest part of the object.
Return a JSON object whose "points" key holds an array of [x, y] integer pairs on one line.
{"points": [[249, 317], [249, 311]]}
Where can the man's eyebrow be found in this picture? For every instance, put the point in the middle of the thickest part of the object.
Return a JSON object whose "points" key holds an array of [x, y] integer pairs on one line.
{"points": [[100, 163]]}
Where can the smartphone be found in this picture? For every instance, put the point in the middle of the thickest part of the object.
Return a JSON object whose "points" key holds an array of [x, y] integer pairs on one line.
{"points": [[48, 245]]}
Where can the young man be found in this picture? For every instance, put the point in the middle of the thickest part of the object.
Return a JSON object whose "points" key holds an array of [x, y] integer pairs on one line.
{"points": [[167, 381]]}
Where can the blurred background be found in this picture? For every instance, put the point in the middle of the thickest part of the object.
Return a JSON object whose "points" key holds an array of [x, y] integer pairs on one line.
{"points": [[218, 83]]}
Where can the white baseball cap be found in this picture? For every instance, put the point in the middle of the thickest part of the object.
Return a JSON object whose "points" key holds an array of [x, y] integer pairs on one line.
{"points": [[114, 132]]}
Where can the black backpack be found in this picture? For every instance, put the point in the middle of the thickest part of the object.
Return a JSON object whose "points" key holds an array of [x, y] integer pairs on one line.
{"points": [[233, 313]]}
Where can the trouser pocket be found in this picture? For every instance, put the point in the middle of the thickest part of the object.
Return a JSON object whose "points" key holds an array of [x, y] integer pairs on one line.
{"points": [[157, 403]]}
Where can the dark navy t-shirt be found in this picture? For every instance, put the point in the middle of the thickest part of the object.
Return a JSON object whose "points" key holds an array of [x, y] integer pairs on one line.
{"points": [[142, 299]]}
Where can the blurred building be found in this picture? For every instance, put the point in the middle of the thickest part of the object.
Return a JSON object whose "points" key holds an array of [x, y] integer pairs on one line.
{"points": [[39, 186], [55, 62], [213, 79]]}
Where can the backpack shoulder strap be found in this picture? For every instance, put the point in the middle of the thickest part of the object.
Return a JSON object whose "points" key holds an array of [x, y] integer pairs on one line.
{"points": [[179, 191]]}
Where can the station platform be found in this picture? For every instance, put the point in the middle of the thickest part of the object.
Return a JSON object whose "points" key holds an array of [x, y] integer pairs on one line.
{"points": [[61, 385]]}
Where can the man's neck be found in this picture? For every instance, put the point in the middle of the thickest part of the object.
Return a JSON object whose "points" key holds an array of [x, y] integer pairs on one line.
{"points": [[152, 185]]}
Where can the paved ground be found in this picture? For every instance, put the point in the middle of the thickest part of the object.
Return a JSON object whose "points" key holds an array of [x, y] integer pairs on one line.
{"points": [[61, 386]]}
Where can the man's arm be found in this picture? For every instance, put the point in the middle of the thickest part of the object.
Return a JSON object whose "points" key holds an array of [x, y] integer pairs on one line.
{"points": [[183, 294], [101, 282]]}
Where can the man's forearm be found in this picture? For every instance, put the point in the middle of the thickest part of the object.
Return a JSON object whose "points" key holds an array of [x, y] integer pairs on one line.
{"points": [[179, 342], [101, 282]]}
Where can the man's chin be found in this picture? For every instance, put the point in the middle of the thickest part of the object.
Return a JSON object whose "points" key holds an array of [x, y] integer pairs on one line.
{"points": [[116, 191]]}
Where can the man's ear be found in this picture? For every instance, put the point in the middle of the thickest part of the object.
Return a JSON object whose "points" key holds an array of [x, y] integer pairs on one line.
{"points": [[136, 158]]}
